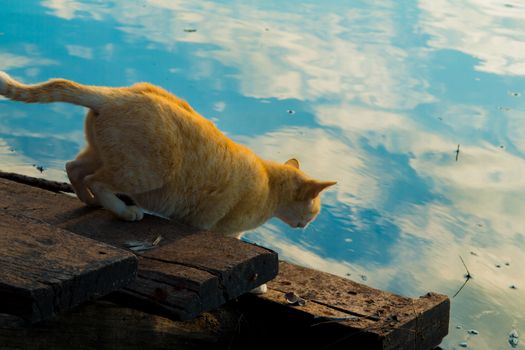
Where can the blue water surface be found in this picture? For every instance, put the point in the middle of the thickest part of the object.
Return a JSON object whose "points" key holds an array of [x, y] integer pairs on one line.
{"points": [[377, 95]]}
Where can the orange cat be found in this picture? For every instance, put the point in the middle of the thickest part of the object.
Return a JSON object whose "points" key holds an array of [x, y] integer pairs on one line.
{"points": [[153, 147]]}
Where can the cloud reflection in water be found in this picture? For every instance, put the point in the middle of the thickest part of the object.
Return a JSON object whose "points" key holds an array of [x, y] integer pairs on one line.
{"points": [[384, 93]]}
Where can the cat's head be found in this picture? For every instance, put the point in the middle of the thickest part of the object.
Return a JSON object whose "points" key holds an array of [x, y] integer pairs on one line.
{"points": [[303, 202]]}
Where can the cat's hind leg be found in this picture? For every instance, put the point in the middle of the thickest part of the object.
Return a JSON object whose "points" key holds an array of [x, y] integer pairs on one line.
{"points": [[77, 171], [109, 200]]}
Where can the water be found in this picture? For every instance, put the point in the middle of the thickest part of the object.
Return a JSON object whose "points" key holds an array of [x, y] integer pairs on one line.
{"points": [[376, 95]]}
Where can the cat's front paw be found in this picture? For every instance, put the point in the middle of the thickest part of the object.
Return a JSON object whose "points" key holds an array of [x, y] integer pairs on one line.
{"points": [[132, 213], [260, 290]]}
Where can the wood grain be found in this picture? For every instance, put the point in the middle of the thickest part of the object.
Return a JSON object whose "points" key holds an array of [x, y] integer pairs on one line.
{"points": [[105, 325], [46, 270], [340, 313], [196, 271]]}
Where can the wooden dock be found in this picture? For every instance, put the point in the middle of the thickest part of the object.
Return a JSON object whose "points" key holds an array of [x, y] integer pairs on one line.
{"points": [[187, 273], [190, 288]]}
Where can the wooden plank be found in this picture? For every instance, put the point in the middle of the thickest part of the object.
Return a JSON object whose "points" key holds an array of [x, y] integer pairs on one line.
{"points": [[238, 265], [196, 271], [68, 212], [340, 313], [46, 270], [251, 322], [203, 270], [106, 325]]}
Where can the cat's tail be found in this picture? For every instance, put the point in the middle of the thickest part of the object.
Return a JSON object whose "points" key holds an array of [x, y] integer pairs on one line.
{"points": [[54, 90]]}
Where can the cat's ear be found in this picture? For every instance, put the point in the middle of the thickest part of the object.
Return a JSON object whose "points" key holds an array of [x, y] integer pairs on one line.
{"points": [[312, 188], [293, 162]]}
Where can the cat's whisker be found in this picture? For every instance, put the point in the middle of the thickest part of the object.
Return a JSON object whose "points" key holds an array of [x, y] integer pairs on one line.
{"points": [[156, 214]]}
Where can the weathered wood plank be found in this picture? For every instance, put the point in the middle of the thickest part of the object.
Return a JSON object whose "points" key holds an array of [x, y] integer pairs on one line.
{"points": [[340, 313], [46, 270], [68, 212], [204, 270], [196, 271], [252, 322], [238, 265], [104, 325]]}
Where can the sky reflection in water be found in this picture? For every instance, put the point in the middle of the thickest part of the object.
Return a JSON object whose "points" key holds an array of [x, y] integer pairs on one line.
{"points": [[382, 95]]}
